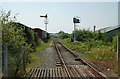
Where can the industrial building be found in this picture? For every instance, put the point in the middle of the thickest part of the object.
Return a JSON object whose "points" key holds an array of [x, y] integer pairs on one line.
{"points": [[110, 32]]}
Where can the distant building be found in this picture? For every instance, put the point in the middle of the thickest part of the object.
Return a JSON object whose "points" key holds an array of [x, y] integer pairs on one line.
{"points": [[41, 33], [54, 34], [110, 31]]}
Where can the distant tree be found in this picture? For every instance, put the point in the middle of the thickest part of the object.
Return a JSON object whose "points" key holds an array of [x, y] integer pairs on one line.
{"points": [[63, 35], [87, 35], [60, 32]]}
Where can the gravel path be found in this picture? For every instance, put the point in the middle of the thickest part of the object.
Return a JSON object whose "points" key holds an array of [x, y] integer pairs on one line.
{"points": [[50, 56]]}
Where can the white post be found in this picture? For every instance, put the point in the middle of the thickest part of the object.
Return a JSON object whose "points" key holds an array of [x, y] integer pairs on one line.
{"points": [[74, 33], [75, 20], [6, 60], [46, 22], [46, 30]]}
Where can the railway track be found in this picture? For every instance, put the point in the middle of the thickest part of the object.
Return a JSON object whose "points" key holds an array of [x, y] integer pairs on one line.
{"points": [[68, 66]]}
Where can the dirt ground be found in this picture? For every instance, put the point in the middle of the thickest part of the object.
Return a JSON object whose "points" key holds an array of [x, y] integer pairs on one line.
{"points": [[49, 55]]}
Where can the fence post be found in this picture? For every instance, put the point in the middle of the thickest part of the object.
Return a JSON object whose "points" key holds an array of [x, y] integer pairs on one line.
{"points": [[0, 58], [6, 60], [24, 57], [118, 54]]}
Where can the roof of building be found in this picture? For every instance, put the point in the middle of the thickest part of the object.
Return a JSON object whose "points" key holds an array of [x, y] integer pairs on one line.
{"points": [[37, 29], [107, 29], [28, 26]]}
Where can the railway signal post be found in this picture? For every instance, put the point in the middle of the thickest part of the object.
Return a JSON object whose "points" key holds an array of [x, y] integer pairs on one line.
{"points": [[46, 22], [75, 20]]}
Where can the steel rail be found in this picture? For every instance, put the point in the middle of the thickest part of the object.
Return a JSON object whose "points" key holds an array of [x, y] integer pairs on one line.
{"points": [[63, 62], [102, 74]]}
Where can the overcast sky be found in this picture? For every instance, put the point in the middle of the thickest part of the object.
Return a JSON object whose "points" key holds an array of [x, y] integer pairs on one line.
{"points": [[60, 14]]}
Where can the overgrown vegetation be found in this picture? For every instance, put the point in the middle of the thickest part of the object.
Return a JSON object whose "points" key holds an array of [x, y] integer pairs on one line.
{"points": [[16, 36], [42, 46], [94, 47]]}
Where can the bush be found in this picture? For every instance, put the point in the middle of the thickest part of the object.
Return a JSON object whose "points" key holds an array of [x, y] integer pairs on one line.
{"points": [[87, 35], [16, 36], [63, 35]]}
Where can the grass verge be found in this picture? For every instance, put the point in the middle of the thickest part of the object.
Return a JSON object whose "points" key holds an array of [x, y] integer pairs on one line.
{"points": [[101, 54], [35, 60]]}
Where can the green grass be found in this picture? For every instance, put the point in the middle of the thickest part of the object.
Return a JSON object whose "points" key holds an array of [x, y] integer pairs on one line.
{"points": [[44, 45], [94, 52], [34, 60]]}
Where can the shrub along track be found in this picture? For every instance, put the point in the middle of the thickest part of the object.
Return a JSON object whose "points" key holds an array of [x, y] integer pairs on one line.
{"points": [[68, 65]]}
